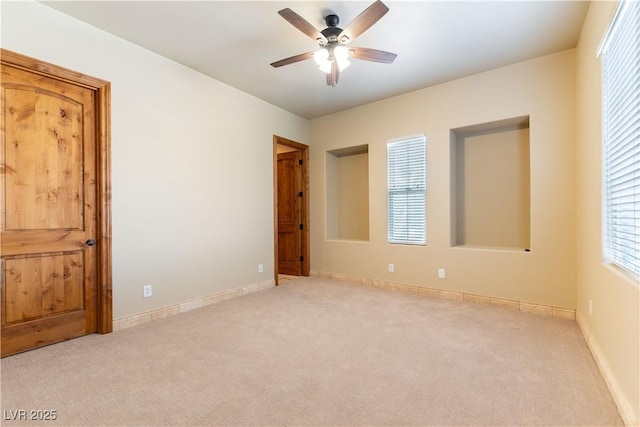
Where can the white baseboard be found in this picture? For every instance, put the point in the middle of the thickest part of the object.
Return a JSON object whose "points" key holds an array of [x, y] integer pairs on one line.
{"points": [[544, 310], [172, 310], [626, 412]]}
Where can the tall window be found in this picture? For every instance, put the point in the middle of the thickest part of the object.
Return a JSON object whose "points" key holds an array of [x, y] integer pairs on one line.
{"points": [[407, 186], [620, 54]]}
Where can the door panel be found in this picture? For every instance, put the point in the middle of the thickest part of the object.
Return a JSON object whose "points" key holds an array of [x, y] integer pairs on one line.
{"points": [[49, 281], [44, 186], [289, 210], [37, 287]]}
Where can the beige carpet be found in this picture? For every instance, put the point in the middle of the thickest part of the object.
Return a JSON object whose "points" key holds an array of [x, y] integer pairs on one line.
{"points": [[320, 352]]}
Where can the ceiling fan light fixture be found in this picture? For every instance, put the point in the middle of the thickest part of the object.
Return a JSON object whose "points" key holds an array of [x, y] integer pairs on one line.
{"points": [[341, 55], [342, 63], [325, 58], [321, 56], [326, 67]]}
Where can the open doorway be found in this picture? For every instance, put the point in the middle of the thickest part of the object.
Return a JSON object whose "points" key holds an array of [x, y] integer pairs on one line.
{"points": [[291, 207]]}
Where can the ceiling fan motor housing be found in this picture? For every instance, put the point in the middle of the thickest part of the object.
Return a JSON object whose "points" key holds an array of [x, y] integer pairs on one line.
{"points": [[332, 31], [332, 20]]}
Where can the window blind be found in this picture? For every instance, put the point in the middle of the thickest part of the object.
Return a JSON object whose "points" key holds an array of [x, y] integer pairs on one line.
{"points": [[620, 54], [406, 189]]}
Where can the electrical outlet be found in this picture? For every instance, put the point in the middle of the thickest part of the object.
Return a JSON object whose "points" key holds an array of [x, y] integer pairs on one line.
{"points": [[260, 268], [441, 273], [146, 291], [392, 268], [590, 307]]}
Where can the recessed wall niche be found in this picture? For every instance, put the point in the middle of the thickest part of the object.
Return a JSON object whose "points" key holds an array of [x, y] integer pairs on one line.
{"points": [[490, 185], [347, 193]]}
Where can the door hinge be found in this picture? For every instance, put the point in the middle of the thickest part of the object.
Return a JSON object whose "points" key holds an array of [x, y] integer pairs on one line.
{"points": [[300, 194], [301, 258], [301, 226], [300, 162]]}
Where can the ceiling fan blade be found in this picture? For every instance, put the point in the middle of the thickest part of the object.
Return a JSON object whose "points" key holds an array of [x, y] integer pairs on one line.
{"points": [[366, 19], [334, 75], [374, 55], [300, 23], [292, 59]]}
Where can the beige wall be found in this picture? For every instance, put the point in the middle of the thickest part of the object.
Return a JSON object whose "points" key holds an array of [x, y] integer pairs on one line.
{"points": [[614, 325], [543, 89], [192, 163]]}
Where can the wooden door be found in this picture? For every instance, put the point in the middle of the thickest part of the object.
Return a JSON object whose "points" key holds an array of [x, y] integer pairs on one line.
{"points": [[49, 210], [290, 196]]}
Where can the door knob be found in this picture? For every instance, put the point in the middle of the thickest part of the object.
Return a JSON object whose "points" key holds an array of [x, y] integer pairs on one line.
{"points": [[90, 242]]}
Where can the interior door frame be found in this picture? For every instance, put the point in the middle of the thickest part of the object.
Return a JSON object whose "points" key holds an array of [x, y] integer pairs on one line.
{"points": [[305, 244], [102, 90]]}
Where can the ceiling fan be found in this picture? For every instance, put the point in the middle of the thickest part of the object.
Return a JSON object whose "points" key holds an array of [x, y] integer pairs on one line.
{"points": [[333, 56]]}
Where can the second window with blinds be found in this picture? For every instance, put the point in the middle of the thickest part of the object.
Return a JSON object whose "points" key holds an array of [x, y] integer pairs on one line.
{"points": [[620, 55], [407, 190]]}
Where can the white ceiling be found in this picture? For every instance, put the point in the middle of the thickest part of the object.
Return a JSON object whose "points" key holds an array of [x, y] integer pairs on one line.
{"points": [[436, 41]]}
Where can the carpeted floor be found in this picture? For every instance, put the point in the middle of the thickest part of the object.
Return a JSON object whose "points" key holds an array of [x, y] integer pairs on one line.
{"points": [[319, 352]]}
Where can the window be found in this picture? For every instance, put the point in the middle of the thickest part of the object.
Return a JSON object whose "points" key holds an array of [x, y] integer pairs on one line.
{"points": [[620, 54], [407, 186]]}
